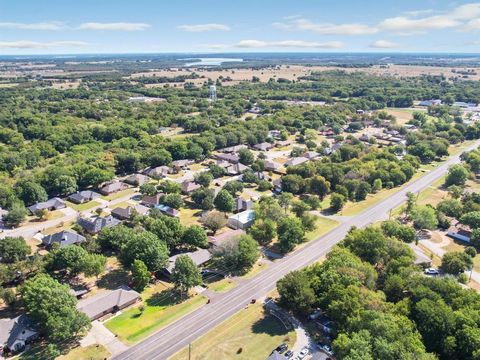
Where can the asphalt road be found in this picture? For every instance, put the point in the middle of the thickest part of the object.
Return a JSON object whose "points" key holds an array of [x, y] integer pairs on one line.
{"points": [[179, 334]]}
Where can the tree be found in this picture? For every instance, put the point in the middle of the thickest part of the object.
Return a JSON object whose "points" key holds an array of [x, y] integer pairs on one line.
{"points": [[204, 178], [203, 198], [8, 296], [140, 275], [7, 196], [290, 233], [319, 186], [216, 171], [293, 183], [185, 275], [471, 251], [263, 231], [147, 247], [394, 228], [30, 192], [53, 308], [471, 219], [268, 208], [148, 189], [15, 216], [424, 217], [173, 200], [457, 175], [246, 157], [237, 255], [377, 185], [362, 191], [76, 260], [296, 292], [233, 187], [264, 185], [13, 249], [299, 208], [284, 199], [456, 262], [195, 236], [214, 220], [168, 229], [94, 264], [411, 202], [337, 201], [114, 238], [451, 207], [40, 213], [64, 185], [169, 187], [224, 201]]}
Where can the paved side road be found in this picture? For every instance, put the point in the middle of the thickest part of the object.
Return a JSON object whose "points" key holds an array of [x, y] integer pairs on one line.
{"points": [[174, 337]]}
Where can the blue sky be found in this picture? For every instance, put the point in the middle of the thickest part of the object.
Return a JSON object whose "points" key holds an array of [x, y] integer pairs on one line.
{"points": [[148, 26]]}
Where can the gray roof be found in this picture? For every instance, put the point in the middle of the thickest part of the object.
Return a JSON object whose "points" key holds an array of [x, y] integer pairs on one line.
{"points": [[107, 301], [126, 213], [10, 329], [199, 257], [296, 161], [97, 223], [63, 238], [137, 179], [86, 195], [53, 203]]}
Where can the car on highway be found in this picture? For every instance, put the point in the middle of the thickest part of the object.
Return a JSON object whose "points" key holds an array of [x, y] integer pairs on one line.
{"points": [[432, 271]]}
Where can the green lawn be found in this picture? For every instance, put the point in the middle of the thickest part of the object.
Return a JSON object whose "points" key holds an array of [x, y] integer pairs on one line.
{"points": [[257, 267], [92, 352], [250, 334], [324, 225], [222, 286], [84, 206], [161, 309], [118, 195]]}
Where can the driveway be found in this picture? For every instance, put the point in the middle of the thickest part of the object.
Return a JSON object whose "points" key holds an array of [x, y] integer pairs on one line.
{"points": [[99, 334]]}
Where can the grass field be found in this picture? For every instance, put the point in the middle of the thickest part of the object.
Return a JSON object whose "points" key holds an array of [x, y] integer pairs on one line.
{"points": [[324, 225], [222, 285], [84, 206], [118, 195], [92, 352], [160, 309], [250, 334]]}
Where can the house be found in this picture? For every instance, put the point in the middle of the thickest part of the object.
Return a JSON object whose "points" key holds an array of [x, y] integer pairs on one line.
{"points": [[430, 102], [230, 157], [189, 186], [94, 224], [272, 165], [233, 149], [277, 185], [199, 257], [242, 220], [167, 210], [255, 110], [283, 143], [151, 201], [127, 213], [137, 179], [242, 204], [236, 169], [16, 333], [226, 235], [460, 232], [51, 204], [310, 155], [274, 134], [158, 172], [107, 302], [113, 187], [296, 161], [181, 164], [63, 238], [265, 146], [83, 196]]}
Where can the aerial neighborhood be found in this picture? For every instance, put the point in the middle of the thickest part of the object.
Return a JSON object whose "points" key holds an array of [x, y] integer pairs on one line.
{"points": [[305, 211]]}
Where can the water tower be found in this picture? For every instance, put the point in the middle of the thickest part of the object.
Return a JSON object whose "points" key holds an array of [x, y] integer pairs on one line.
{"points": [[213, 93]]}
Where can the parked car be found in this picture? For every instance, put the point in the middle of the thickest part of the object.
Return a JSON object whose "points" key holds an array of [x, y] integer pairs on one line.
{"points": [[281, 348], [327, 349], [432, 271], [289, 354], [315, 315], [304, 352]]}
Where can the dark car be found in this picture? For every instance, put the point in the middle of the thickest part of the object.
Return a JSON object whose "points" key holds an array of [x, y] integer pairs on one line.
{"points": [[289, 354], [281, 348]]}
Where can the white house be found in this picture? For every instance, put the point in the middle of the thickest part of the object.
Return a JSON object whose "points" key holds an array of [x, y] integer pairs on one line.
{"points": [[242, 220]]}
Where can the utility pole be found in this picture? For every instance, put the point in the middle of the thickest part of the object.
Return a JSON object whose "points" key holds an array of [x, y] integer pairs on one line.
{"points": [[189, 351]]}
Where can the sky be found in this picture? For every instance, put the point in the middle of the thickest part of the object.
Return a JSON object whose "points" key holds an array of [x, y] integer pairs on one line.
{"points": [[209, 26]]}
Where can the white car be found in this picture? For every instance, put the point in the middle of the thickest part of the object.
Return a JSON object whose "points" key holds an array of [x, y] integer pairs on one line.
{"points": [[432, 271], [303, 353]]}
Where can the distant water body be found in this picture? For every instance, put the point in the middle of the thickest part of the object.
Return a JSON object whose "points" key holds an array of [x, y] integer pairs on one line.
{"points": [[210, 61]]}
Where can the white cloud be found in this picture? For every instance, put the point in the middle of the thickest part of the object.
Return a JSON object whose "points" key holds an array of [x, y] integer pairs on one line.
{"points": [[472, 25], [412, 23], [116, 26], [204, 27], [326, 28], [50, 25], [26, 44], [383, 44], [289, 44]]}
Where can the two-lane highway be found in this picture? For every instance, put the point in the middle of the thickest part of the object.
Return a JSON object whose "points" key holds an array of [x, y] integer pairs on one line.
{"points": [[174, 337]]}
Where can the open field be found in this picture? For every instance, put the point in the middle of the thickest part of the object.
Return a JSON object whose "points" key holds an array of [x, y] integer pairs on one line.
{"points": [[222, 285], [161, 307], [84, 206], [250, 334], [92, 352], [118, 195], [324, 225]]}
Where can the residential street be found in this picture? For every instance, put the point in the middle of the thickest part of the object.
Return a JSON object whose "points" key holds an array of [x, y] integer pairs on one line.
{"points": [[174, 337]]}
